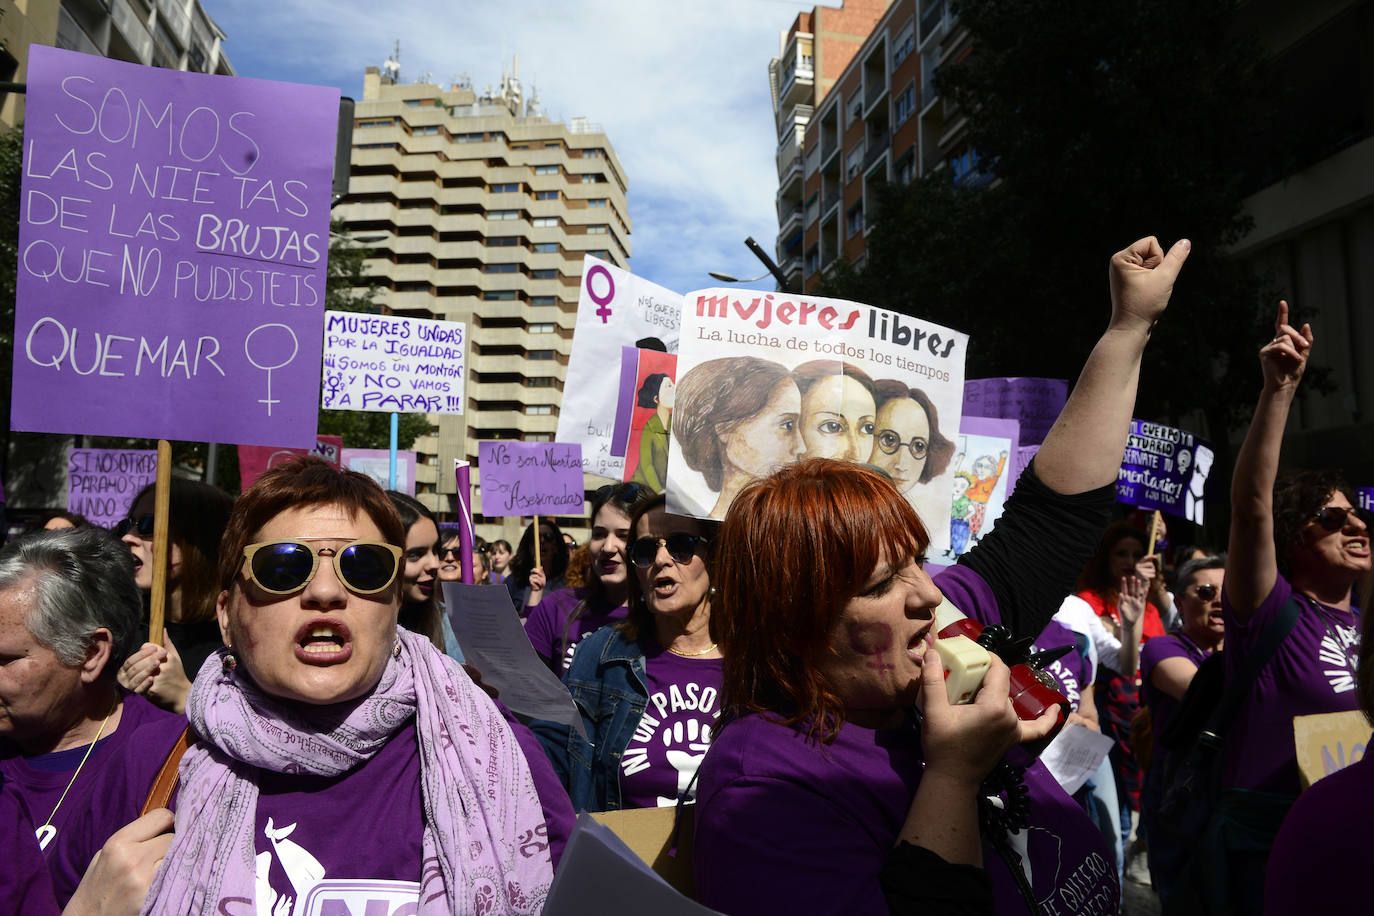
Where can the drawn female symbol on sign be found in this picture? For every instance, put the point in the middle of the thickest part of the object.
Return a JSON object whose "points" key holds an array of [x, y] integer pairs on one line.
{"points": [[266, 365], [604, 312]]}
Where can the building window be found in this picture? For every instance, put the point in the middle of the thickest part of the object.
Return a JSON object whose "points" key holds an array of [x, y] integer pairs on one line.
{"points": [[592, 178], [541, 328], [503, 241], [598, 230], [539, 381], [856, 111], [429, 131], [543, 300], [509, 268], [546, 170], [537, 437], [905, 170], [601, 253], [597, 202], [539, 354], [545, 195], [477, 137], [504, 188], [498, 295], [813, 259], [544, 273], [539, 410], [520, 146], [854, 220], [545, 247], [965, 165], [384, 122], [544, 221], [503, 214], [904, 106], [593, 154], [854, 163], [904, 45]]}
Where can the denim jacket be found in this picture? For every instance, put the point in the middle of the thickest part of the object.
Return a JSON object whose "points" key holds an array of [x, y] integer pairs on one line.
{"points": [[608, 684]]}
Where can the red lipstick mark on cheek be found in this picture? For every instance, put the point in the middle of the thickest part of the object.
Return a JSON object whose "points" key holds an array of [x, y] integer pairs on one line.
{"points": [[874, 640]]}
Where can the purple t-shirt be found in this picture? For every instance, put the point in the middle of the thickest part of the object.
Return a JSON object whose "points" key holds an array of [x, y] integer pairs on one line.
{"points": [[675, 731], [1322, 850], [785, 825], [1313, 671], [108, 793], [548, 629], [1162, 706], [25, 886], [1071, 670]]}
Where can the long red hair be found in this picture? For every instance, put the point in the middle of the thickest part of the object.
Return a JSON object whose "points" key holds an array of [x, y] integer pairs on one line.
{"points": [[794, 548]]}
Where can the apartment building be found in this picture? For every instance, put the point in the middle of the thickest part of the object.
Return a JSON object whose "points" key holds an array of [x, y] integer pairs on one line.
{"points": [[476, 207], [176, 34]]}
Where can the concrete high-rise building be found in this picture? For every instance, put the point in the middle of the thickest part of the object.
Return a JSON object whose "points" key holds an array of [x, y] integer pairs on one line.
{"points": [[176, 34], [485, 209]]}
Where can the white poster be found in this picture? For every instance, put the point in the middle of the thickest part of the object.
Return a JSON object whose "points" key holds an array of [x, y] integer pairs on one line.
{"points": [[616, 309], [766, 379], [391, 363]]}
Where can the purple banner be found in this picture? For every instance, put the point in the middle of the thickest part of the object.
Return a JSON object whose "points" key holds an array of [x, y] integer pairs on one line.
{"points": [[530, 478], [102, 482], [173, 236], [1033, 402], [1365, 498], [1166, 469]]}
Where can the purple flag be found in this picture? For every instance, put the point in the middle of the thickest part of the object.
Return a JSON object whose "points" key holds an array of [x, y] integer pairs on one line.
{"points": [[530, 478], [173, 236], [1033, 402], [1165, 468]]}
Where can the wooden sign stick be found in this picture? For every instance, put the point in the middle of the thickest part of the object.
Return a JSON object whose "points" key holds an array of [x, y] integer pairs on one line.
{"points": [[1154, 532], [162, 537], [537, 561]]}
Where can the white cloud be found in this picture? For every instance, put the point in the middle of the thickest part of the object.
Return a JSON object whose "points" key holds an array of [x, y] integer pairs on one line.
{"points": [[681, 89]]}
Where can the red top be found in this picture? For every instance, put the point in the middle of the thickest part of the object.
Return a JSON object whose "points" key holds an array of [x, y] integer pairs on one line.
{"points": [[1151, 626]]}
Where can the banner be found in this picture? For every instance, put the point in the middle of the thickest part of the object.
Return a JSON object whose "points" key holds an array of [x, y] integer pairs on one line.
{"points": [[391, 363], [254, 459], [1034, 403], [376, 463], [1166, 469], [530, 478], [1365, 498], [173, 234], [102, 482], [764, 379], [616, 309], [985, 467]]}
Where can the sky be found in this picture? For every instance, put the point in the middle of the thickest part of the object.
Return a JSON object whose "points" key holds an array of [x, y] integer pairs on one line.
{"points": [[681, 89]]}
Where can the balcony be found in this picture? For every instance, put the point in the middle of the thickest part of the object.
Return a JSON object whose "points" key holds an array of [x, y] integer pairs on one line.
{"points": [[933, 22], [796, 78], [789, 220], [877, 146], [831, 202], [133, 30], [791, 177]]}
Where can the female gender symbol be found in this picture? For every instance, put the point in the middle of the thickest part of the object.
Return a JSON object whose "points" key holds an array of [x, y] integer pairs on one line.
{"points": [[295, 347]]}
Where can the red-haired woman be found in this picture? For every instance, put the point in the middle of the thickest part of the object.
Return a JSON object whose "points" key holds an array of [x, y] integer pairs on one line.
{"points": [[821, 792]]}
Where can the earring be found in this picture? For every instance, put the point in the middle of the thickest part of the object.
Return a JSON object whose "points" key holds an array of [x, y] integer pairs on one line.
{"points": [[396, 649], [229, 662]]}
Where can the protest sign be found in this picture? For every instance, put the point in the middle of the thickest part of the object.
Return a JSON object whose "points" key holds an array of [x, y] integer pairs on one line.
{"points": [[254, 459], [1365, 498], [376, 463], [171, 269], [644, 416], [764, 379], [530, 478], [985, 465], [391, 363], [1164, 468], [1035, 403], [616, 309], [1329, 741], [102, 482]]}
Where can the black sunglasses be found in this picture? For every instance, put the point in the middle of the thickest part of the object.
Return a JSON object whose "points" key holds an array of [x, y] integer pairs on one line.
{"points": [[1334, 518], [143, 525], [681, 547], [1205, 592], [286, 567]]}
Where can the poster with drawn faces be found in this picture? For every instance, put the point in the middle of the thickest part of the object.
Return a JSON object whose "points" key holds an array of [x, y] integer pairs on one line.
{"points": [[984, 471], [767, 379]]}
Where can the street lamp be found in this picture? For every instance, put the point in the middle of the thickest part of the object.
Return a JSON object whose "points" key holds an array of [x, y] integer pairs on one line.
{"points": [[726, 278], [767, 262]]}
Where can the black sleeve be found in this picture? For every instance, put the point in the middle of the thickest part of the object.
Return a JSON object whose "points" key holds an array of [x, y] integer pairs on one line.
{"points": [[1033, 556], [917, 881]]}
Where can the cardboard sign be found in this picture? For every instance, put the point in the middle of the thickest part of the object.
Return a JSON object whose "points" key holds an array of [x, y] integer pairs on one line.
{"points": [[985, 466], [173, 234], [1329, 742], [376, 463], [391, 363], [1164, 468], [644, 416], [616, 310], [102, 482], [255, 459], [530, 478], [1034, 403], [764, 379]]}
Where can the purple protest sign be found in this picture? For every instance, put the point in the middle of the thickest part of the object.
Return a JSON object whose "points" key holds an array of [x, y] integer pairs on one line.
{"points": [[1165, 468], [102, 482], [1032, 402], [173, 235], [530, 478], [1365, 498]]}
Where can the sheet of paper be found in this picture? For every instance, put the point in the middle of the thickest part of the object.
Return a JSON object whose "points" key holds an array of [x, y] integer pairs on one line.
{"points": [[494, 642], [600, 874], [1074, 755]]}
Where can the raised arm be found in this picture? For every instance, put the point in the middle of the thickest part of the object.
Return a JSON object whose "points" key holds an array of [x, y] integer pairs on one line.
{"points": [[1083, 450], [1251, 567]]}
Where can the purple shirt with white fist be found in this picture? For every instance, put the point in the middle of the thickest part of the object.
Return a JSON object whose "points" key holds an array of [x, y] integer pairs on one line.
{"points": [[675, 731]]}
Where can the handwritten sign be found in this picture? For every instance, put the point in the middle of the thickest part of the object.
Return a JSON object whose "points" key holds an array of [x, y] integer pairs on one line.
{"points": [[376, 463], [1327, 742], [1035, 403], [1164, 468], [255, 459], [530, 478], [102, 482], [616, 309], [171, 268], [391, 363], [1365, 498]]}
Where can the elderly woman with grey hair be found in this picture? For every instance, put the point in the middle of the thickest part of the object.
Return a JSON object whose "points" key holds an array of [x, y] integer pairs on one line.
{"points": [[69, 615]]}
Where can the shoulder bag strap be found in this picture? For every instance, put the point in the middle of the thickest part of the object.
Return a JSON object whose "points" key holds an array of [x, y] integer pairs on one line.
{"points": [[1219, 722], [166, 782]]}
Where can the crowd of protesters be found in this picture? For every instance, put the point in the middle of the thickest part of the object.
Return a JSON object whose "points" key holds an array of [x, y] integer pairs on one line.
{"points": [[774, 675]]}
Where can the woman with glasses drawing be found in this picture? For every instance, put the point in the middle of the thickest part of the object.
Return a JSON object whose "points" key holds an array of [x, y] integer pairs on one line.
{"points": [[907, 442], [648, 688], [324, 726], [197, 515]]}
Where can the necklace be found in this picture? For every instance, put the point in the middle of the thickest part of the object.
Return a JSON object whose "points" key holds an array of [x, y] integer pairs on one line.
{"points": [[710, 648], [48, 831]]}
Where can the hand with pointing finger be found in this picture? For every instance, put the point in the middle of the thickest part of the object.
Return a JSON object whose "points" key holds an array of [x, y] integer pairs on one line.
{"points": [[1284, 359]]}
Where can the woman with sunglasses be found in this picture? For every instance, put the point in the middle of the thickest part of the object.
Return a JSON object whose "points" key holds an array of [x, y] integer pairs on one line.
{"points": [[1297, 539], [842, 780], [907, 442], [648, 687], [196, 516], [419, 576], [559, 622], [325, 722]]}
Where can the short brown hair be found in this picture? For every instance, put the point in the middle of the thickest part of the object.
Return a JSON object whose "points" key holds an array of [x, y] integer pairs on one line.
{"points": [[714, 397], [794, 548], [939, 449], [301, 482]]}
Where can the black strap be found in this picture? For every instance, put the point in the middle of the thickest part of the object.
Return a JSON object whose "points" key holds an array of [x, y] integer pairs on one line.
{"points": [[1219, 722]]}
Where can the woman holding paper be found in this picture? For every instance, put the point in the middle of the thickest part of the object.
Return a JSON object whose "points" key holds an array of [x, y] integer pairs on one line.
{"points": [[824, 791], [325, 726]]}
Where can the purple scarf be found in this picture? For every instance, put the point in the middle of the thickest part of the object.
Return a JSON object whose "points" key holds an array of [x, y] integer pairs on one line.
{"points": [[475, 786]]}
